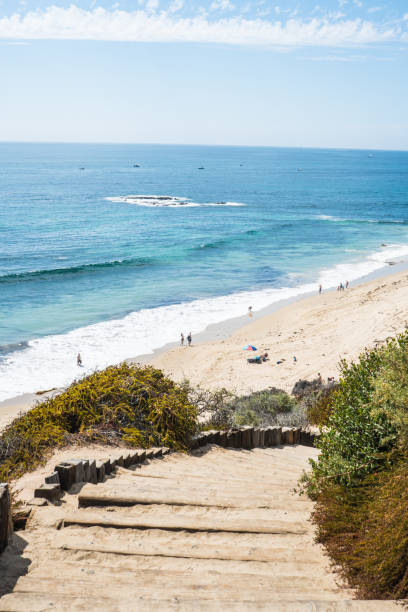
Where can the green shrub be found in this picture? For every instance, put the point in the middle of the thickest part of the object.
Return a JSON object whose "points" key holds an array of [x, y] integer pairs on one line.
{"points": [[365, 530], [220, 409], [132, 404], [319, 405], [359, 435], [268, 407], [360, 480]]}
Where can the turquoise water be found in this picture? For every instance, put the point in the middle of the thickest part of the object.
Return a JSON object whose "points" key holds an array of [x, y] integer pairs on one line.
{"points": [[85, 266]]}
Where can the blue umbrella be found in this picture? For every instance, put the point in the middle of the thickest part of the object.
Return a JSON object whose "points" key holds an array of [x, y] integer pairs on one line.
{"points": [[249, 347]]}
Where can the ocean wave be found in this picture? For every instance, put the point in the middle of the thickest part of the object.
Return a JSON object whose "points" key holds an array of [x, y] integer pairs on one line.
{"points": [[51, 361], [163, 201], [328, 218], [91, 267], [345, 220]]}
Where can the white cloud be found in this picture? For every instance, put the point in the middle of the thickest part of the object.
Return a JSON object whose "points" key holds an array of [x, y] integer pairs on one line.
{"points": [[74, 23], [151, 5], [221, 5], [375, 9], [176, 5]]}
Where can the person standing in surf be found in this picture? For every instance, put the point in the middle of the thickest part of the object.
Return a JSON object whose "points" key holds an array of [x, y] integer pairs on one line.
{"points": [[189, 339], [79, 360], [182, 339]]}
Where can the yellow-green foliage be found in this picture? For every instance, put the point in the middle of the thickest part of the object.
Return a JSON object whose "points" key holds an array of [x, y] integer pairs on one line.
{"points": [[360, 479], [134, 404], [365, 529]]}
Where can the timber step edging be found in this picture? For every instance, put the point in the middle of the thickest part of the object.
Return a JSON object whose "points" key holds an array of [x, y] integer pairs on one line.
{"points": [[252, 437], [77, 471]]}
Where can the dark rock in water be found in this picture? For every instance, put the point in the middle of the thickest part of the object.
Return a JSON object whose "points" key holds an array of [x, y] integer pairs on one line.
{"points": [[136, 166], [201, 168], [82, 168], [391, 263]]}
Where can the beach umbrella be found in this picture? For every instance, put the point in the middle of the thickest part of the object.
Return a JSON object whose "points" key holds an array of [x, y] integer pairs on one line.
{"points": [[249, 347]]}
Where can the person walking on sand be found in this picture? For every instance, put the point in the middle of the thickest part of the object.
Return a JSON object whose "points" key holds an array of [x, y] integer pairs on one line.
{"points": [[189, 339], [347, 283], [250, 311], [320, 289], [79, 360], [182, 339]]}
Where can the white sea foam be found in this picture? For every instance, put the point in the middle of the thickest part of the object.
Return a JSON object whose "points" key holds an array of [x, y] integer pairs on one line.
{"points": [[163, 201], [328, 218], [341, 219], [51, 361]]}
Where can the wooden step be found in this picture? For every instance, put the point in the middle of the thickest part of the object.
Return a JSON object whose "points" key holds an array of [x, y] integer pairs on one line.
{"points": [[117, 586], [39, 602], [197, 481], [239, 547], [113, 494], [182, 566], [181, 523], [174, 582]]}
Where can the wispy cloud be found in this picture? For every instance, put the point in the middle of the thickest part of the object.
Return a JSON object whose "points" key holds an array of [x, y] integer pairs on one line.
{"points": [[176, 5], [149, 25], [221, 5]]}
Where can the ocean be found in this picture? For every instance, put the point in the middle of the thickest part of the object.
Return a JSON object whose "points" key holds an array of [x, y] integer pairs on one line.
{"points": [[113, 250]]}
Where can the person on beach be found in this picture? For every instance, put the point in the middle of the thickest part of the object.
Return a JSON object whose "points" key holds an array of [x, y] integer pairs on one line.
{"points": [[294, 359], [189, 339], [79, 360], [182, 339], [347, 283], [320, 289], [250, 311]]}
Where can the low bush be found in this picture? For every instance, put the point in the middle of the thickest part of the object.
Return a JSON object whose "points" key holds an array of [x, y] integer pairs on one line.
{"points": [[360, 479], [132, 404], [365, 530], [319, 404], [221, 409], [262, 408]]}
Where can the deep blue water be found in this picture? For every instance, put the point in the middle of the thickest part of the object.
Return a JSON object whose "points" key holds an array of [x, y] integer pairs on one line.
{"points": [[70, 257]]}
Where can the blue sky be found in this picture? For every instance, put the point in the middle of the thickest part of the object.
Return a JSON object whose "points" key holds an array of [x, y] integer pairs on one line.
{"points": [[252, 72]]}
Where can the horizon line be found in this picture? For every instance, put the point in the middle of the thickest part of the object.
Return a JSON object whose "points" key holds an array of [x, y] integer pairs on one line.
{"points": [[177, 144]]}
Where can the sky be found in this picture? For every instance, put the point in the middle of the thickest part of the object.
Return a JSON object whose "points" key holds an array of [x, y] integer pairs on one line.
{"points": [[307, 73]]}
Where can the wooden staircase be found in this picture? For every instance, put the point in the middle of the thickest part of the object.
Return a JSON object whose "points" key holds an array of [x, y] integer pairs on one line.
{"points": [[220, 529]]}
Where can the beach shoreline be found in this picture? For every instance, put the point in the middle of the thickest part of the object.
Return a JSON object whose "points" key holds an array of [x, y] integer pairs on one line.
{"points": [[212, 342], [319, 330]]}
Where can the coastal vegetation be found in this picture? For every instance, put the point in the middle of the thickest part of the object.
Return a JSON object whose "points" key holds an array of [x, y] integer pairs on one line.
{"points": [[360, 480], [134, 405], [221, 409]]}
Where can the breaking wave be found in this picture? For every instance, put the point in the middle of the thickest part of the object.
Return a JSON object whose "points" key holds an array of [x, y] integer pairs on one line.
{"points": [[163, 201], [50, 361]]}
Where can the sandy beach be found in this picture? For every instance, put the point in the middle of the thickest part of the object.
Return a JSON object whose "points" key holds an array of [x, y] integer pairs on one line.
{"points": [[318, 330]]}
